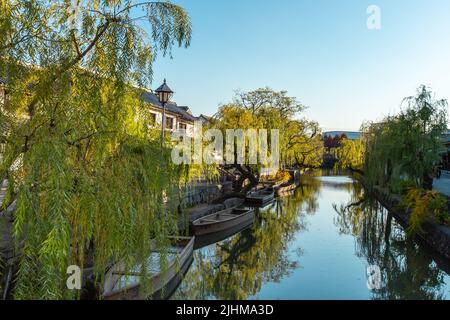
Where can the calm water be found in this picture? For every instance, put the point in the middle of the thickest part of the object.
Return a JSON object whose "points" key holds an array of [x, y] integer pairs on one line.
{"points": [[318, 244]]}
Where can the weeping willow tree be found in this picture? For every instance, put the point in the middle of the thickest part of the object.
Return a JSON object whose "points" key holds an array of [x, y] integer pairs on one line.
{"points": [[89, 182], [407, 146], [401, 154], [350, 155], [264, 108], [402, 149]]}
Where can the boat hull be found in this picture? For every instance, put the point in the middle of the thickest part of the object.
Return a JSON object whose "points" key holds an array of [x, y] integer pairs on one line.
{"points": [[259, 198], [161, 282], [211, 238], [240, 220]]}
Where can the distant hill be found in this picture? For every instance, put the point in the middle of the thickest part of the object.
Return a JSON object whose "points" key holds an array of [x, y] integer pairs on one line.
{"points": [[351, 135]]}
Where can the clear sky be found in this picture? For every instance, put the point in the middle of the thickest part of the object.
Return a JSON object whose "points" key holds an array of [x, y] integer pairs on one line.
{"points": [[320, 51]]}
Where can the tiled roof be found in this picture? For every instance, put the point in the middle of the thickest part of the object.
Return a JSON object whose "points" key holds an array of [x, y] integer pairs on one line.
{"points": [[206, 117], [151, 98]]}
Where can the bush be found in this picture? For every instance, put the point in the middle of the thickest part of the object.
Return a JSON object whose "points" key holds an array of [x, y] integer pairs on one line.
{"points": [[404, 186], [425, 205], [280, 176]]}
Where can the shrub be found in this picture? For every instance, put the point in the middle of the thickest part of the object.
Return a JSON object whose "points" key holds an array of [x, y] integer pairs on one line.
{"points": [[404, 186], [425, 205], [280, 176]]}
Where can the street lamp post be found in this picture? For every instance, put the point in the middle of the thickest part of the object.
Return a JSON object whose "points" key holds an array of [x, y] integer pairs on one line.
{"points": [[164, 94]]}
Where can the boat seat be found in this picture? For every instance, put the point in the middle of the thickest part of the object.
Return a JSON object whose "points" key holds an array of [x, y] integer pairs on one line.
{"points": [[123, 273], [228, 214], [208, 220], [176, 251]]}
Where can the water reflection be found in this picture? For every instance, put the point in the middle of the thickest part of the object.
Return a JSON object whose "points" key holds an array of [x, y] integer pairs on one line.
{"points": [[316, 243], [408, 270]]}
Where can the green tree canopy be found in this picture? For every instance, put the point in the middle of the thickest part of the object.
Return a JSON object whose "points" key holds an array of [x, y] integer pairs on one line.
{"points": [[407, 145], [402, 147], [264, 108]]}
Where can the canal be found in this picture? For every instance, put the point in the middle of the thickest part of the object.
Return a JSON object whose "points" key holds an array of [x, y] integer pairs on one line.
{"points": [[325, 241]]}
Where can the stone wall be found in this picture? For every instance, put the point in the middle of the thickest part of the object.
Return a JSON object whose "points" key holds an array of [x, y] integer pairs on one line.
{"points": [[204, 192]]}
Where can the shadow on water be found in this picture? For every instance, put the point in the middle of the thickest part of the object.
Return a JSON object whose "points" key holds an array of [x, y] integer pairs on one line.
{"points": [[281, 255]]}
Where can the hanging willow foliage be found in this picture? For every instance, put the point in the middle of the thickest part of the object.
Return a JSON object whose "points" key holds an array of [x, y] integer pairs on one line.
{"points": [[406, 146], [85, 173], [402, 150]]}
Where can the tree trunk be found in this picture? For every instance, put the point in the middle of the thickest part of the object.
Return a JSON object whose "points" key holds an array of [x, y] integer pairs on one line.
{"points": [[427, 182]]}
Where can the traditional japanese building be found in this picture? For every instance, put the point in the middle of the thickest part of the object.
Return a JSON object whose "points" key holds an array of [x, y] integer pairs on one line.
{"points": [[177, 117]]}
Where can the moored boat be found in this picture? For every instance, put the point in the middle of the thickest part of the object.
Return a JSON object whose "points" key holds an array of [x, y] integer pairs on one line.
{"points": [[222, 220], [202, 210], [260, 197], [210, 238], [121, 284]]}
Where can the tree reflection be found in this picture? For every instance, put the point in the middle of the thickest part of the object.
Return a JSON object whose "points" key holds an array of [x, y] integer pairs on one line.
{"points": [[237, 267], [407, 270]]}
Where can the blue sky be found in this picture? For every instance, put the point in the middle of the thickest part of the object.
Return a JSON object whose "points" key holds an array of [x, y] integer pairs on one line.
{"points": [[320, 51]]}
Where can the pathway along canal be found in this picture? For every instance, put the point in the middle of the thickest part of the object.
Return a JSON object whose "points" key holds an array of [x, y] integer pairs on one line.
{"points": [[320, 243]]}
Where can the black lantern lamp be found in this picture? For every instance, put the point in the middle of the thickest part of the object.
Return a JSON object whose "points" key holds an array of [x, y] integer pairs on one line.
{"points": [[164, 94]]}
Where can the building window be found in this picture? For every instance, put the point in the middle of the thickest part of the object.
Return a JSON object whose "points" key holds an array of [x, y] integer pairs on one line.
{"points": [[183, 126], [169, 123], [153, 117]]}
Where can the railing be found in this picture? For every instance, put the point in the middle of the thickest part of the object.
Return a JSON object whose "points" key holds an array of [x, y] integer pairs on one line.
{"points": [[445, 173]]}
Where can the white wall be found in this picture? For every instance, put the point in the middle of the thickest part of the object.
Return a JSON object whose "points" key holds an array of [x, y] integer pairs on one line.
{"points": [[176, 122]]}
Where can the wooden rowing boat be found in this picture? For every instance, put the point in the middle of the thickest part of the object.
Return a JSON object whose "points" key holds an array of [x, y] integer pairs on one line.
{"points": [[222, 220], [121, 284], [211, 238], [260, 197]]}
